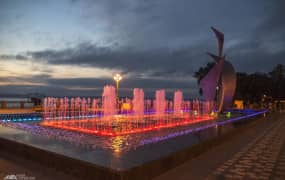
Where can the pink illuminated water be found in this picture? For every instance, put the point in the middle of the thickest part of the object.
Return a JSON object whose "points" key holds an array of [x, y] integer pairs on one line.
{"points": [[109, 100], [138, 101], [178, 100], [65, 108], [160, 102], [111, 116]]}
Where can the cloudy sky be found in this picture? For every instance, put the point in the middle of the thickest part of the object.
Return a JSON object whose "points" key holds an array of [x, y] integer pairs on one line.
{"points": [[74, 47]]}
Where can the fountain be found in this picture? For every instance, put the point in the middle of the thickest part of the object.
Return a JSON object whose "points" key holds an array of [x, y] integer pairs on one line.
{"points": [[160, 102], [138, 101], [178, 99], [109, 101], [111, 116]]}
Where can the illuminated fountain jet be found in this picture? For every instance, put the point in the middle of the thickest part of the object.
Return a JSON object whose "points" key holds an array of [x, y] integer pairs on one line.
{"points": [[220, 83]]}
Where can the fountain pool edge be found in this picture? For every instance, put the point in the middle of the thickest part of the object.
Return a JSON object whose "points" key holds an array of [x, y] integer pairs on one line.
{"points": [[90, 170]]}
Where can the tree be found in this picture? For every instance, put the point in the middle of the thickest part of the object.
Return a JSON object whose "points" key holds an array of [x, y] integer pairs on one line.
{"points": [[201, 73], [251, 87], [277, 75]]}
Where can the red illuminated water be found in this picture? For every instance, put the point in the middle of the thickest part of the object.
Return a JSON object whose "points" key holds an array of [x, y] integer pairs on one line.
{"points": [[111, 116]]}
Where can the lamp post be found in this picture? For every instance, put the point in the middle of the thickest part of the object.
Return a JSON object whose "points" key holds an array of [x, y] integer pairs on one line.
{"points": [[117, 79]]}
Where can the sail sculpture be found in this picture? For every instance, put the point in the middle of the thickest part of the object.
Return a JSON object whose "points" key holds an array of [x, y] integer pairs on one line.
{"points": [[220, 83]]}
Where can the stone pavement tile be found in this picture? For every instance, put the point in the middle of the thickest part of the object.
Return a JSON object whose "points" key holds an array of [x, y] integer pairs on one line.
{"points": [[252, 177], [237, 177], [278, 178], [228, 176], [220, 170], [263, 178], [280, 173], [217, 173], [265, 174], [241, 174]]}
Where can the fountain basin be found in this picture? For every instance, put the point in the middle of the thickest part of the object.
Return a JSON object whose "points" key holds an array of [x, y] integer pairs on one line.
{"points": [[137, 156], [126, 124]]}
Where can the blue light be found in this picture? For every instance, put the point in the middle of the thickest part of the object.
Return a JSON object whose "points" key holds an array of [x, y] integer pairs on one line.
{"points": [[185, 132]]}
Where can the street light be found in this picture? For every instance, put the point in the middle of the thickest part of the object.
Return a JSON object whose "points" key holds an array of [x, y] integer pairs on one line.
{"points": [[117, 79]]}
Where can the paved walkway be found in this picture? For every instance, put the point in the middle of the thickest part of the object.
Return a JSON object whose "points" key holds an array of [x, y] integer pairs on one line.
{"points": [[262, 158], [12, 165], [257, 153]]}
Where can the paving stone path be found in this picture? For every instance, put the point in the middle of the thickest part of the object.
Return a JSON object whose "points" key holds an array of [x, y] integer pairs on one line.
{"points": [[262, 158]]}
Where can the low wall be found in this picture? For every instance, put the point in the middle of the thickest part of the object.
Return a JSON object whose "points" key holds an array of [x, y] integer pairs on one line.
{"points": [[16, 110]]}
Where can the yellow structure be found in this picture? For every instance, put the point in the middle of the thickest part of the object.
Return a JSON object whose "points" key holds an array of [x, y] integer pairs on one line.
{"points": [[117, 79], [38, 108], [238, 104], [126, 107]]}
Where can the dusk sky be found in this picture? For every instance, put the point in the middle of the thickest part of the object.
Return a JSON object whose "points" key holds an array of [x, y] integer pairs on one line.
{"points": [[74, 47]]}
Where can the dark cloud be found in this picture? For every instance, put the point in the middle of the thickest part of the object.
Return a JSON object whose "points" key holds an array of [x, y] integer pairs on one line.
{"points": [[262, 48], [161, 43], [158, 62], [13, 57], [273, 24], [167, 23]]}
